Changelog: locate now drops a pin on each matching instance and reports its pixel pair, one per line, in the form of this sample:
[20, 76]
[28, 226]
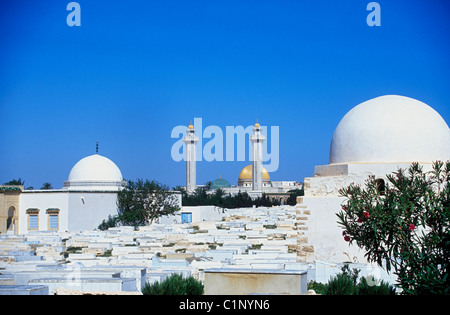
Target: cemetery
[51, 243]
[251, 245]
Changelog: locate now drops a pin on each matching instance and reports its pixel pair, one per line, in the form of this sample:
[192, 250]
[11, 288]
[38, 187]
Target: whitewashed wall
[89, 209]
[43, 201]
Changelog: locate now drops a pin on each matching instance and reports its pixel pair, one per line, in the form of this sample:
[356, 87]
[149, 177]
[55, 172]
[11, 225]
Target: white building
[89, 196]
[374, 138]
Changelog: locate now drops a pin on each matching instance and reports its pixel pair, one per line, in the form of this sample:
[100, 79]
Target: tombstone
[24, 290]
[254, 281]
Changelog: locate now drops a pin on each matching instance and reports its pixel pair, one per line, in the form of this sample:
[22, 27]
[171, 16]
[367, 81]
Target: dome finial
[96, 147]
[190, 125]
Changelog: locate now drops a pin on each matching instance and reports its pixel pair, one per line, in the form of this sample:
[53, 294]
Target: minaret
[257, 140]
[191, 173]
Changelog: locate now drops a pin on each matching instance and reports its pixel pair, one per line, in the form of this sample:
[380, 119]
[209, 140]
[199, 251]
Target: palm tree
[46, 186]
[219, 193]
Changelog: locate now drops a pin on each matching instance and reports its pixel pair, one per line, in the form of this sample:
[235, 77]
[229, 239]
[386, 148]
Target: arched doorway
[11, 221]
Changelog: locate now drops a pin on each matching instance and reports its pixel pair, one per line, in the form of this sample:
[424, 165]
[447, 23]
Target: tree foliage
[47, 185]
[405, 226]
[293, 194]
[220, 199]
[140, 203]
[17, 182]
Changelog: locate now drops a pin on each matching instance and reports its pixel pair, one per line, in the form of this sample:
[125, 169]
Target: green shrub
[174, 285]
[345, 283]
[108, 223]
[319, 288]
[383, 288]
[341, 284]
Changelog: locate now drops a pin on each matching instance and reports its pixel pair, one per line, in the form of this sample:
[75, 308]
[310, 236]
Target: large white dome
[95, 172]
[390, 129]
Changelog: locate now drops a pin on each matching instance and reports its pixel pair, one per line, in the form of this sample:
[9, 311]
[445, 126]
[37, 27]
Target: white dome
[94, 171]
[390, 129]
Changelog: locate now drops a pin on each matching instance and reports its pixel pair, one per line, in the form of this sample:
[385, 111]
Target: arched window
[10, 221]
[381, 186]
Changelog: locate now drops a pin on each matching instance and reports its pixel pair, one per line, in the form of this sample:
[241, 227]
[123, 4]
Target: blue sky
[134, 70]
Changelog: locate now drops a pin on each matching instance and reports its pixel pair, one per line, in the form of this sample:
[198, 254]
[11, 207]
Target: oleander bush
[404, 225]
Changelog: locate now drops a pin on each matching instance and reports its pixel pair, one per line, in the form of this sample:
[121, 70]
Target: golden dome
[257, 125]
[246, 173]
[190, 126]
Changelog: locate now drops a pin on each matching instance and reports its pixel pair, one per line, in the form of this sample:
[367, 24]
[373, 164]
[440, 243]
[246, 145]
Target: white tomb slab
[24, 290]
[88, 284]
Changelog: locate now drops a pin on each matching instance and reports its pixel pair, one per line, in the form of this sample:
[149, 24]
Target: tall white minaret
[191, 172]
[257, 140]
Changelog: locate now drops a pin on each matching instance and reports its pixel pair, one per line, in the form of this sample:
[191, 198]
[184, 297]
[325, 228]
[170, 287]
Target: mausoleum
[377, 137]
[89, 195]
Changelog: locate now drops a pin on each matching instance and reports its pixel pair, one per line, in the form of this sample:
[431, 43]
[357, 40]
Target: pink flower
[347, 238]
[366, 214]
[360, 220]
[412, 227]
